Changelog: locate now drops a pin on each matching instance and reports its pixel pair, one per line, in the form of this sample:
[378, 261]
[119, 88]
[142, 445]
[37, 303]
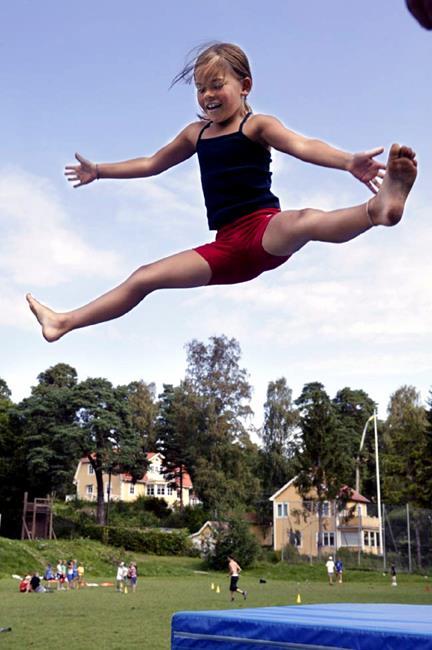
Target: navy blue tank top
[235, 176]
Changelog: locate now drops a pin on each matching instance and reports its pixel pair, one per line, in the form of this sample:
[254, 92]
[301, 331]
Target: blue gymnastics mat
[343, 626]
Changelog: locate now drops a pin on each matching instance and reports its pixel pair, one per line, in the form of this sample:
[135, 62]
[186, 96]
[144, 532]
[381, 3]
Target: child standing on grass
[253, 234]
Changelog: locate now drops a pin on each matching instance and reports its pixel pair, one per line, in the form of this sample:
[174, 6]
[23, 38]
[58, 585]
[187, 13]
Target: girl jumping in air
[253, 234]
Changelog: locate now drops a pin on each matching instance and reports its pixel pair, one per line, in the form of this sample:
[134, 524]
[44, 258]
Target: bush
[153, 540]
[235, 539]
[191, 517]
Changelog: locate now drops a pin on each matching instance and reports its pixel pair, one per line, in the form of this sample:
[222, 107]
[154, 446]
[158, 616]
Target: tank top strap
[206, 126]
[244, 120]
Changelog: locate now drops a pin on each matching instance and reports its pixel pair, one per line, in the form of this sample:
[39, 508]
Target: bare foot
[53, 324]
[386, 208]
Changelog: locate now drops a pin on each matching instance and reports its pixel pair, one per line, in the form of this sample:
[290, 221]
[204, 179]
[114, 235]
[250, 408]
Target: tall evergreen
[278, 436]
[354, 407]
[407, 463]
[323, 461]
[176, 428]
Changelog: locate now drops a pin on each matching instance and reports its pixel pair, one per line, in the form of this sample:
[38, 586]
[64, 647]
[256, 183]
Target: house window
[325, 509]
[161, 490]
[328, 538]
[89, 489]
[131, 488]
[371, 538]
[295, 537]
[169, 490]
[90, 469]
[150, 490]
[282, 509]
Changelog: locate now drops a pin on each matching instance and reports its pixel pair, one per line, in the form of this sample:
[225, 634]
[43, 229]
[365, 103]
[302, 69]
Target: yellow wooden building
[120, 487]
[295, 522]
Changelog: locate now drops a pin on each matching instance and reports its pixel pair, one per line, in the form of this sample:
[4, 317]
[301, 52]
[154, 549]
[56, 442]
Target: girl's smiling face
[221, 94]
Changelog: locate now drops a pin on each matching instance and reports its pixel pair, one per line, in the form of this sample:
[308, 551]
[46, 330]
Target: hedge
[153, 541]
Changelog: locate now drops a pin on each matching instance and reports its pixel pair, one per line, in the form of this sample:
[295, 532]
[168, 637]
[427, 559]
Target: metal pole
[378, 483]
[409, 539]
[360, 536]
[383, 540]
[109, 497]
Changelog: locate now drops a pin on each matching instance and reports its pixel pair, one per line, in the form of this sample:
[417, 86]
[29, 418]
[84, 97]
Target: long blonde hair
[218, 54]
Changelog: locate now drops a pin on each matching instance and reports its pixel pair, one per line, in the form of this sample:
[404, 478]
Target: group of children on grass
[126, 576]
[65, 576]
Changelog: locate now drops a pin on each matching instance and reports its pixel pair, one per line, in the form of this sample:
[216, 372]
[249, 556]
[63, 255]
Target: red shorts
[237, 254]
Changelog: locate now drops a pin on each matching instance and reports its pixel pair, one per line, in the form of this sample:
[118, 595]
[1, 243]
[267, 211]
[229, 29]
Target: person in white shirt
[120, 577]
[330, 565]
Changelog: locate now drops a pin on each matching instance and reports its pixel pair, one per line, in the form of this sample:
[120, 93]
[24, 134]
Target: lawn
[101, 617]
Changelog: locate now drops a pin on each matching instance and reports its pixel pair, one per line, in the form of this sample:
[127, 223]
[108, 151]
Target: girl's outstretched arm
[182, 147]
[363, 165]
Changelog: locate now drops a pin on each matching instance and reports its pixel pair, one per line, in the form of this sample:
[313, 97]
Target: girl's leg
[288, 231]
[184, 270]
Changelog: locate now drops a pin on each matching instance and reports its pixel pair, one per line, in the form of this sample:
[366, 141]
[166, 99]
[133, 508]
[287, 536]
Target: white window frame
[326, 538]
[282, 510]
[160, 490]
[89, 489]
[131, 488]
[169, 490]
[150, 490]
[90, 469]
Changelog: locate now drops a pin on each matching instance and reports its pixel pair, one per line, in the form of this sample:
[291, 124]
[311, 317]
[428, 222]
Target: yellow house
[295, 522]
[119, 487]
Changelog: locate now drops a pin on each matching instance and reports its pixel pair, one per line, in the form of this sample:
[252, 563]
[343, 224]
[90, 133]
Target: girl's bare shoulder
[257, 125]
[192, 131]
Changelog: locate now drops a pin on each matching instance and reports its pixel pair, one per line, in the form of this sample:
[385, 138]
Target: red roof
[353, 495]
[187, 481]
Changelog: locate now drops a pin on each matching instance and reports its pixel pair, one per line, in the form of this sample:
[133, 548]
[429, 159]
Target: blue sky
[94, 77]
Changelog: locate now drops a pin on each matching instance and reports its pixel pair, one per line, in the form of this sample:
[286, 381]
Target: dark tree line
[203, 425]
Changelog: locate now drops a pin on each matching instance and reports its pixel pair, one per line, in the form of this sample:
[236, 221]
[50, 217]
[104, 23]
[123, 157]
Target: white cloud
[167, 201]
[39, 245]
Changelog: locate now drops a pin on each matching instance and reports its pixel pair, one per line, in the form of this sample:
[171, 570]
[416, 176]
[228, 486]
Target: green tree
[143, 411]
[43, 423]
[407, 467]
[354, 407]
[323, 462]
[224, 468]
[234, 539]
[12, 463]
[103, 433]
[177, 424]
[5, 392]
[278, 436]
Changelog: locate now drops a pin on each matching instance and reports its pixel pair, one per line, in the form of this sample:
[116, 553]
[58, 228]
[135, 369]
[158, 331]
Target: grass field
[101, 617]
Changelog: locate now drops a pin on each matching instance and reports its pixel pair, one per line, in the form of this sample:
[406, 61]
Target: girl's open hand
[81, 174]
[367, 170]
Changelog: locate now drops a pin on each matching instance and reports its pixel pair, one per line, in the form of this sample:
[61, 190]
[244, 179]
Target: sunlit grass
[99, 616]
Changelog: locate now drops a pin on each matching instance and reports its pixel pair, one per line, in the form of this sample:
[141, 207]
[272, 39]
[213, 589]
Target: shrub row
[153, 541]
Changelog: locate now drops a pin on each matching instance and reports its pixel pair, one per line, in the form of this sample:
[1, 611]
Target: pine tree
[323, 461]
